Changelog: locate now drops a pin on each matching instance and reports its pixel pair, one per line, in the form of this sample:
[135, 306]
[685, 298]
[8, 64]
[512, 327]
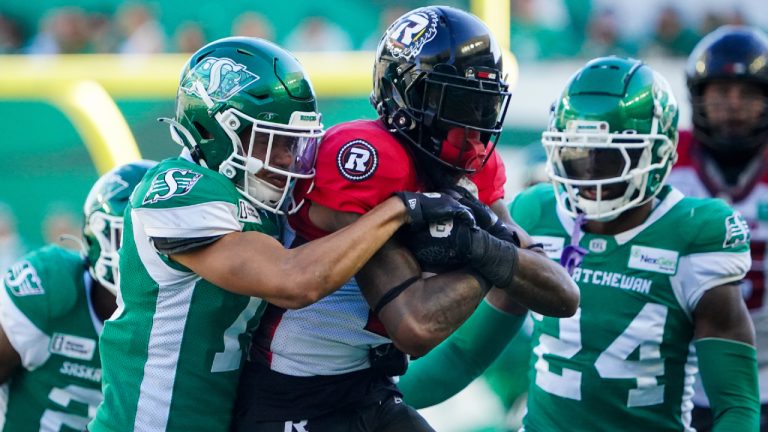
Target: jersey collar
[662, 204]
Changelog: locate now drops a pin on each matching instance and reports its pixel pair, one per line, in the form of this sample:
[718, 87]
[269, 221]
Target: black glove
[485, 217]
[427, 207]
[454, 244]
[441, 246]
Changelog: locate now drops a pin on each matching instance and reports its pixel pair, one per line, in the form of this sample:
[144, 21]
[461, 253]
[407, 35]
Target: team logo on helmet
[357, 160]
[116, 185]
[406, 36]
[170, 183]
[222, 78]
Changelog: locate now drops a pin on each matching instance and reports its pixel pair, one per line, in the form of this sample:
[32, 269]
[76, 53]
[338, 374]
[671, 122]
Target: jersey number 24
[644, 331]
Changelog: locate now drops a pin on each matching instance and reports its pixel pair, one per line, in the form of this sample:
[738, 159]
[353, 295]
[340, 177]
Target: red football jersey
[360, 164]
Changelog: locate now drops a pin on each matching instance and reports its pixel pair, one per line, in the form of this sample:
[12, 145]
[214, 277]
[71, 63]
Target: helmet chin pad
[264, 191]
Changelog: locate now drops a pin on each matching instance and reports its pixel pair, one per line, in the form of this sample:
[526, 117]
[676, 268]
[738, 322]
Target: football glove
[426, 207]
[453, 244]
[485, 217]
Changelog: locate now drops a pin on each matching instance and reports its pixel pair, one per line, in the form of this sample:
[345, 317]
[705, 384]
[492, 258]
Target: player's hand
[425, 208]
[485, 217]
[452, 245]
[441, 245]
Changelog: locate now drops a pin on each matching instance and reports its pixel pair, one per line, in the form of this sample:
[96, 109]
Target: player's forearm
[729, 374]
[543, 286]
[327, 263]
[461, 358]
[429, 313]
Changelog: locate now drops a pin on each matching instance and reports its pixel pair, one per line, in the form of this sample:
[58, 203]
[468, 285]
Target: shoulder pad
[713, 226]
[180, 183]
[359, 165]
[527, 206]
[46, 283]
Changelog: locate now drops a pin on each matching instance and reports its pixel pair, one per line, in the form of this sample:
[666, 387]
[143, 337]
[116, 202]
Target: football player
[203, 236]
[52, 308]
[441, 97]
[658, 271]
[724, 157]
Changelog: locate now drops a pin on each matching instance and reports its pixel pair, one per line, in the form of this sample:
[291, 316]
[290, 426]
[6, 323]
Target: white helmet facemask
[280, 152]
[603, 174]
[108, 230]
[273, 158]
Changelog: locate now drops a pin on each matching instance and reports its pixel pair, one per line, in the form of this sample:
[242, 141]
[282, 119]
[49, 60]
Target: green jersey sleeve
[717, 252]
[525, 209]
[180, 200]
[33, 295]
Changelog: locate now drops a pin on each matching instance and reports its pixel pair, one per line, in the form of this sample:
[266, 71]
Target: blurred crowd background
[540, 29]
[46, 172]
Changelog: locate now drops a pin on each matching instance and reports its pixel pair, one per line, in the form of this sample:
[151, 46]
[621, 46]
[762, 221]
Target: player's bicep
[721, 313]
[9, 358]
[238, 262]
[391, 266]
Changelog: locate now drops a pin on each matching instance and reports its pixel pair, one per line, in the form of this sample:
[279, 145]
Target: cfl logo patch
[357, 160]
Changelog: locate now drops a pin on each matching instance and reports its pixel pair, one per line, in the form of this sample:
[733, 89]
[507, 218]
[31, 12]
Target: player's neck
[626, 221]
[104, 303]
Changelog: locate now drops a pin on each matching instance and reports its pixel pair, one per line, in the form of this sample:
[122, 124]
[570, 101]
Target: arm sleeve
[461, 358]
[729, 375]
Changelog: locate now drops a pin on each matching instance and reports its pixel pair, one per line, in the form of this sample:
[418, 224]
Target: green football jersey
[45, 311]
[625, 361]
[172, 351]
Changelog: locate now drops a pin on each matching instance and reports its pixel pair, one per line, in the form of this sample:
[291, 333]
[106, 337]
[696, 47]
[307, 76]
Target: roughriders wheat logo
[407, 36]
[22, 280]
[736, 231]
[171, 183]
[222, 78]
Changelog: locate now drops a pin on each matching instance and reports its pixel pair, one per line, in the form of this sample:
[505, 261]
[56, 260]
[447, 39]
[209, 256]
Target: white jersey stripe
[172, 307]
[28, 340]
[206, 219]
[696, 273]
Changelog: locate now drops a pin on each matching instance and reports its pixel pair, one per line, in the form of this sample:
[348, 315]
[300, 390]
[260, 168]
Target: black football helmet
[730, 53]
[438, 82]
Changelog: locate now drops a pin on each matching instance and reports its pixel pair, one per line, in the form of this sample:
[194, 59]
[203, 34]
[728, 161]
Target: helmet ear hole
[204, 133]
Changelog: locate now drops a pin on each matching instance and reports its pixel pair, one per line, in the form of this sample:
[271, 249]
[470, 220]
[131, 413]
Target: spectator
[10, 35]
[103, 38]
[540, 30]
[141, 32]
[189, 37]
[253, 24]
[671, 36]
[11, 245]
[387, 16]
[603, 37]
[317, 33]
[63, 31]
[60, 224]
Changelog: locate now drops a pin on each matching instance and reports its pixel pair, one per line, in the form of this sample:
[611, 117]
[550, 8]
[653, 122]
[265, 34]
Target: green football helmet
[612, 138]
[246, 108]
[103, 225]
